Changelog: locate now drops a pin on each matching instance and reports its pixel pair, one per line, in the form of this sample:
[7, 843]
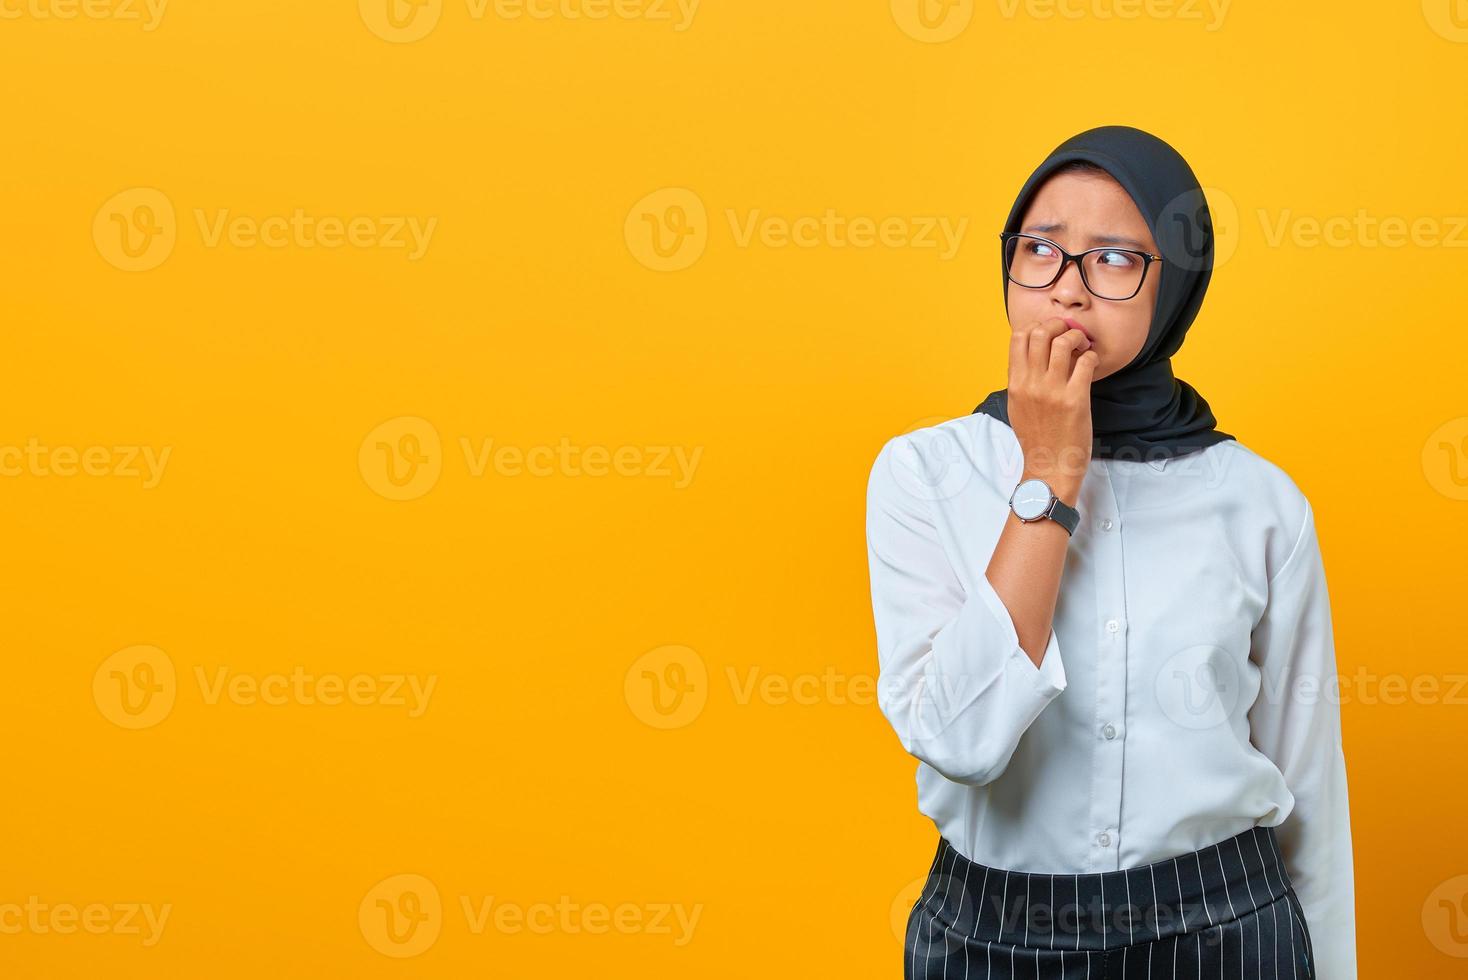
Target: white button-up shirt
[1188, 689]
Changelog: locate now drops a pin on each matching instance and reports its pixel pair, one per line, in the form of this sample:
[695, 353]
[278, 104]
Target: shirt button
[1104, 839]
[1106, 524]
[1112, 626]
[1109, 731]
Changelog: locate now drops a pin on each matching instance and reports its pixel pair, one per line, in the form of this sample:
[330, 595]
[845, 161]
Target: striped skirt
[1226, 911]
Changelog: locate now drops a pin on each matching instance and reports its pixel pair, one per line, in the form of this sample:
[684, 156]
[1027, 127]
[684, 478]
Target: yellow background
[538, 773]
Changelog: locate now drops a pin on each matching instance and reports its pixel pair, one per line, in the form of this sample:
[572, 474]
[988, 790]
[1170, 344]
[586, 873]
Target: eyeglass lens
[1109, 273]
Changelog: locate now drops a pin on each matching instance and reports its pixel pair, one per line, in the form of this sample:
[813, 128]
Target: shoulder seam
[1295, 549]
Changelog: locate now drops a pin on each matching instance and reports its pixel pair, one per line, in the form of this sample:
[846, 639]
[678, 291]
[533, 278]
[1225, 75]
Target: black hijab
[1142, 412]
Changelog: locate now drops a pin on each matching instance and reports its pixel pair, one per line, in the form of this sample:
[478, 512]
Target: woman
[1104, 630]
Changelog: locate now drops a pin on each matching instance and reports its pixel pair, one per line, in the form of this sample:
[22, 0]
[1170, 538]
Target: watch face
[1031, 499]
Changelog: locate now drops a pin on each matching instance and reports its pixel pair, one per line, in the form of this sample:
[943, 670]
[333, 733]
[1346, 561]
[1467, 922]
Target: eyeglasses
[1109, 273]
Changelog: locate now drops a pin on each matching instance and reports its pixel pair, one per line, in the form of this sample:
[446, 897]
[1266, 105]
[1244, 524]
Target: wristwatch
[1033, 500]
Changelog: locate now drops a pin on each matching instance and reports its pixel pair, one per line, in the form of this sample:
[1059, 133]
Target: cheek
[1025, 305]
[1131, 333]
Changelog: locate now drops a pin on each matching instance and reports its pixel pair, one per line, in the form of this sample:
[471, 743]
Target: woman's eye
[1040, 250]
[1116, 260]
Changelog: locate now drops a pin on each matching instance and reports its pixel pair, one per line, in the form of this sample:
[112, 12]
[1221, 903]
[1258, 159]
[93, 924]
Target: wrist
[1035, 498]
[1065, 487]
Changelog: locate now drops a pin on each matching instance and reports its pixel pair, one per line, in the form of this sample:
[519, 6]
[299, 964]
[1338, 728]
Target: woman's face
[1077, 212]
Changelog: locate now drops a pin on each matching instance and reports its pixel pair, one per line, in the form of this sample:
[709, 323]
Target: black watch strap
[1065, 515]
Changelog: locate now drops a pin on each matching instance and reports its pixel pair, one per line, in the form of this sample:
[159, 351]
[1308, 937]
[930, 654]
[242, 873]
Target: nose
[1069, 290]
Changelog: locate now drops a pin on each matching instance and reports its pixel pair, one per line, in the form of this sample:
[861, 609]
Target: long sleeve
[1296, 723]
[954, 682]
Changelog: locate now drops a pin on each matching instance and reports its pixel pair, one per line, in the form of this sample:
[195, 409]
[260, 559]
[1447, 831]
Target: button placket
[1111, 672]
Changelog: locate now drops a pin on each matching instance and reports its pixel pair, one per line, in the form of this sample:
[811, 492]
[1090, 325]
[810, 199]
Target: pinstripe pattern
[1131, 924]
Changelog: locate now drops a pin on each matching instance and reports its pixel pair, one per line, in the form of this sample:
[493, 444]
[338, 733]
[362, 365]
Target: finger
[1084, 374]
[1041, 334]
[1063, 352]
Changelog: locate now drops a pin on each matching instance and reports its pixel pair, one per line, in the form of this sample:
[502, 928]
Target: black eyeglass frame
[1065, 258]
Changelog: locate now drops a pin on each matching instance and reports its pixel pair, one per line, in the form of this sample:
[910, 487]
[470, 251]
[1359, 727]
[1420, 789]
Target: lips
[1076, 325]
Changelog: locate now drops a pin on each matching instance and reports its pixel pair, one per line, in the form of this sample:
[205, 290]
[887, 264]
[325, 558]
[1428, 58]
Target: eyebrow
[1095, 239]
